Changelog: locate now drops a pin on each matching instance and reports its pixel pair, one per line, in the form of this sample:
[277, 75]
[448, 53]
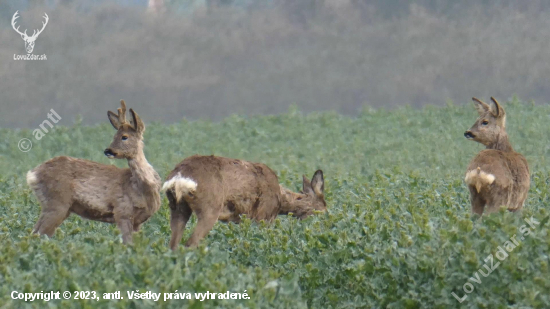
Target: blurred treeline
[213, 58]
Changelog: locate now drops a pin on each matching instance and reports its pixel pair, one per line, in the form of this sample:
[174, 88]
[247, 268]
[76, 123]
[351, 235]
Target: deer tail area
[180, 186]
[479, 179]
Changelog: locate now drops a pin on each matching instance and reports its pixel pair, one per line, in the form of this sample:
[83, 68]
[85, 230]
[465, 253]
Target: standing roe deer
[218, 188]
[125, 196]
[497, 176]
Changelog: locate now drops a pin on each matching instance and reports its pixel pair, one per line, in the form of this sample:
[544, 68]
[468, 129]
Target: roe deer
[218, 188]
[125, 196]
[497, 176]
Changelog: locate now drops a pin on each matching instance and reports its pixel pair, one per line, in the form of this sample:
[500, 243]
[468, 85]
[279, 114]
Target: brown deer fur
[497, 176]
[218, 188]
[125, 196]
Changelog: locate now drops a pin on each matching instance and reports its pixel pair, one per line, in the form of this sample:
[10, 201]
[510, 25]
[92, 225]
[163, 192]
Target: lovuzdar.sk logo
[29, 40]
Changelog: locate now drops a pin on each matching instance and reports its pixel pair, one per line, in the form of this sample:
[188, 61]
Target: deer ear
[136, 122]
[481, 106]
[306, 185]
[318, 182]
[113, 118]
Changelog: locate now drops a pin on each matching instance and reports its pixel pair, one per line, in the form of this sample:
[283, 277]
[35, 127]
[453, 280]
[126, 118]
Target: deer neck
[286, 205]
[143, 174]
[294, 202]
[501, 143]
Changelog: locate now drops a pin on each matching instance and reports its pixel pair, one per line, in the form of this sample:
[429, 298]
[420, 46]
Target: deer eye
[485, 122]
[124, 137]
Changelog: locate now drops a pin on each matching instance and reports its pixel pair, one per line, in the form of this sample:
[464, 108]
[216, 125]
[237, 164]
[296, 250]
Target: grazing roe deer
[218, 188]
[497, 176]
[125, 196]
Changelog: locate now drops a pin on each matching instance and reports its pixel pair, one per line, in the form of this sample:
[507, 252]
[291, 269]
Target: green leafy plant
[398, 233]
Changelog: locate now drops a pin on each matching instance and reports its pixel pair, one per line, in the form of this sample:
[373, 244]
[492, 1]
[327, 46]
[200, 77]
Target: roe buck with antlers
[218, 188]
[497, 176]
[125, 196]
[29, 40]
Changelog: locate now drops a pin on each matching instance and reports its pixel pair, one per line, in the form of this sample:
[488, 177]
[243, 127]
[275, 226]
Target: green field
[398, 234]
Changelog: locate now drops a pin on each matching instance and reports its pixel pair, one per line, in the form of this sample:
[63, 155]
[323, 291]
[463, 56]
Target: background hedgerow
[260, 56]
[398, 233]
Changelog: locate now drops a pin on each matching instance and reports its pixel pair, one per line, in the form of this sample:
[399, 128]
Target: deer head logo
[29, 40]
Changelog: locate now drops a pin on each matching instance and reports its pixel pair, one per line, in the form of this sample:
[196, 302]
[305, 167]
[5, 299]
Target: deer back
[235, 186]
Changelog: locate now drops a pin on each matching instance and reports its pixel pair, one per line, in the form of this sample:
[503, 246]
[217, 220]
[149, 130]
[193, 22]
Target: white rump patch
[479, 178]
[181, 186]
[31, 178]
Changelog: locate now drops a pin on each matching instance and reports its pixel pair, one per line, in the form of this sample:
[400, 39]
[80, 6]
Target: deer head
[128, 140]
[311, 198]
[29, 40]
[490, 125]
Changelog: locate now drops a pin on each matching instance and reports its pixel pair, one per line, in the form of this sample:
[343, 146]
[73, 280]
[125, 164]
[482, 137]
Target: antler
[479, 101]
[43, 26]
[122, 112]
[15, 16]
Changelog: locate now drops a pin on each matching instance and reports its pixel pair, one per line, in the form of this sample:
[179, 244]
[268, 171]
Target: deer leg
[205, 221]
[49, 220]
[495, 202]
[124, 221]
[52, 215]
[125, 226]
[179, 216]
[267, 210]
[39, 223]
[520, 202]
[477, 201]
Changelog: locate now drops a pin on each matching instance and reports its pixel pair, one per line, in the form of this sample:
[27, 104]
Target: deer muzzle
[109, 153]
[469, 135]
